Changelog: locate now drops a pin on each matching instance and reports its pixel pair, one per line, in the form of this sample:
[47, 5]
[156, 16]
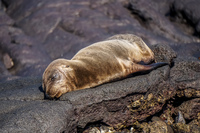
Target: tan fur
[105, 61]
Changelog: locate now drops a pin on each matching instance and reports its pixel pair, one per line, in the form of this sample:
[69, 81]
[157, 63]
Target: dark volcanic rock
[23, 108]
[108, 103]
[5, 19]
[190, 109]
[185, 73]
[35, 32]
[71, 25]
[155, 19]
[27, 58]
[54, 29]
[158, 125]
[188, 11]
[164, 53]
[187, 50]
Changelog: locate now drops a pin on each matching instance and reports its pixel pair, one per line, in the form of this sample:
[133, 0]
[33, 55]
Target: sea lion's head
[55, 78]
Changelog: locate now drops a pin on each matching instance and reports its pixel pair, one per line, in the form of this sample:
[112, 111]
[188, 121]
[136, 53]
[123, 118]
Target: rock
[190, 108]
[63, 21]
[187, 50]
[156, 125]
[187, 11]
[5, 19]
[192, 127]
[180, 118]
[107, 103]
[25, 59]
[3, 71]
[186, 69]
[7, 61]
[156, 19]
[73, 25]
[159, 126]
[24, 109]
[35, 32]
[164, 53]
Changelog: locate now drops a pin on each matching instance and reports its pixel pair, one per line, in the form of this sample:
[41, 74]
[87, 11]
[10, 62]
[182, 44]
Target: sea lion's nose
[46, 96]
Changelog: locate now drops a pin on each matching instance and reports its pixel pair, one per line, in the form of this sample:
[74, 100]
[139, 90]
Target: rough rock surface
[35, 32]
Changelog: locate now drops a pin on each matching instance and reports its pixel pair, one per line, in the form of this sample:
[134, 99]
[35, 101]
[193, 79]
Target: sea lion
[112, 59]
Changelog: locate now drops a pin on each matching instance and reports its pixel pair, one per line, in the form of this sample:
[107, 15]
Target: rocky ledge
[35, 32]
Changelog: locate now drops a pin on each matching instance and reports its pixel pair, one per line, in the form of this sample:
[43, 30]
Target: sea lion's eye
[52, 78]
[55, 76]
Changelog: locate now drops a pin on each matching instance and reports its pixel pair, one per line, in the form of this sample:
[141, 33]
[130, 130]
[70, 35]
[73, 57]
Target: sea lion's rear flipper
[143, 68]
[156, 65]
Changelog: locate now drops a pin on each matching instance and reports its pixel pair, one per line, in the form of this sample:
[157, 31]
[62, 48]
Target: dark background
[35, 32]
